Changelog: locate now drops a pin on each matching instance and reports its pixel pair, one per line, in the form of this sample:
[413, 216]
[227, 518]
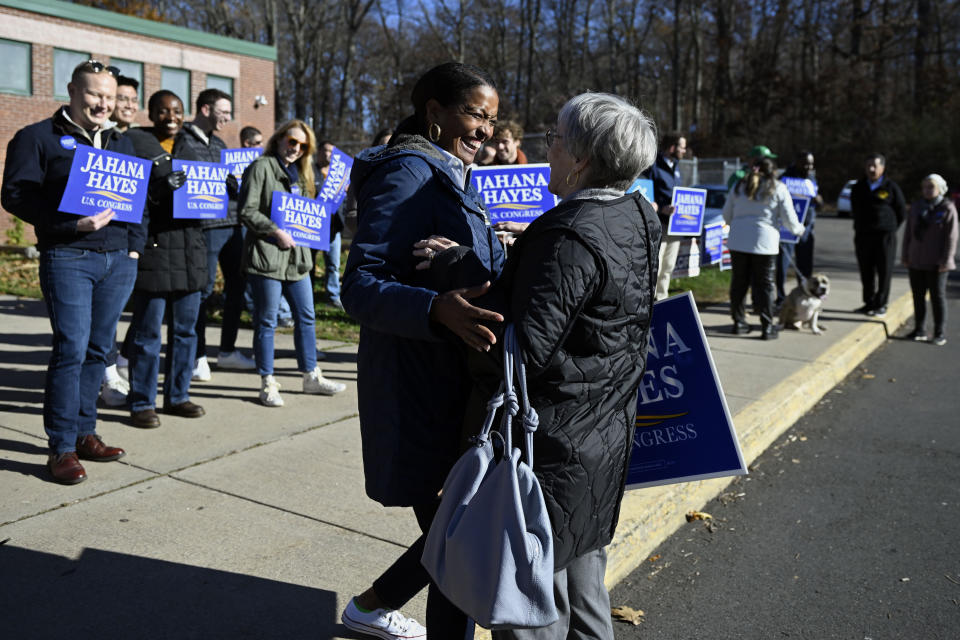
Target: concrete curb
[650, 516]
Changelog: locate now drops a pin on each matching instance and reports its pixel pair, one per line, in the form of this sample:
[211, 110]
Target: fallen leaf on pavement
[698, 515]
[868, 376]
[653, 558]
[628, 614]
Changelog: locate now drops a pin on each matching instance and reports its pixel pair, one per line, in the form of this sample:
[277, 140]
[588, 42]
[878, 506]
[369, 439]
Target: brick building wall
[50, 24]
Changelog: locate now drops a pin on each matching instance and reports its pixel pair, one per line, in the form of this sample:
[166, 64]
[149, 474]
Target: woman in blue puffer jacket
[412, 384]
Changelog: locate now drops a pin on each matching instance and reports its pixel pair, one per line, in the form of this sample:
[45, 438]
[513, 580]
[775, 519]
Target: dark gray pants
[582, 601]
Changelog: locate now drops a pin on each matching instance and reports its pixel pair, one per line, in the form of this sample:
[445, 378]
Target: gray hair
[619, 139]
[939, 183]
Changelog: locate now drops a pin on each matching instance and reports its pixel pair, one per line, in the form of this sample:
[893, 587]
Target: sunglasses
[293, 143]
[95, 66]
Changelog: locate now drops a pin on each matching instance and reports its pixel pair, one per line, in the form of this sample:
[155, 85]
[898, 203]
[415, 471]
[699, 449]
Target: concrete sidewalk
[252, 522]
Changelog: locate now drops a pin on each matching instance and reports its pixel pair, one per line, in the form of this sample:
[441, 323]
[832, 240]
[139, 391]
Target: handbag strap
[530, 419]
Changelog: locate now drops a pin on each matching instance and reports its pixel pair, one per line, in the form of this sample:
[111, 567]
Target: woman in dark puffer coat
[579, 287]
[172, 272]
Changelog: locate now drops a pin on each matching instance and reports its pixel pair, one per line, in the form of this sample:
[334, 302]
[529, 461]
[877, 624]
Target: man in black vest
[87, 264]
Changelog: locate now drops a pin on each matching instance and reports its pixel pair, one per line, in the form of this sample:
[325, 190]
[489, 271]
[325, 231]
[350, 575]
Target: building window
[15, 67]
[64, 62]
[178, 81]
[220, 82]
[131, 69]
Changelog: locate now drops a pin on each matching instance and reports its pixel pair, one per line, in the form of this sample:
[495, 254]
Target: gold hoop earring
[434, 137]
[576, 178]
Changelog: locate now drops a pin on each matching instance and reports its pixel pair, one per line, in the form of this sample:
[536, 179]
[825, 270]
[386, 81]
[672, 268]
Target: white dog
[802, 307]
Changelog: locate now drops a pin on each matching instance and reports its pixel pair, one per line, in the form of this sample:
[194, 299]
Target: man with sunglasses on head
[87, 264]
[198, 141]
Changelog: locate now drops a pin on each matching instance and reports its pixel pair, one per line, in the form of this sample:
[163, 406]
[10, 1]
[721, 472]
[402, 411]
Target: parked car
[716, 197]
[843, 200]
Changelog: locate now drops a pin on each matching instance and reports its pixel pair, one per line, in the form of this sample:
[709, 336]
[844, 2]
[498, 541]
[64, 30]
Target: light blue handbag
[490, 547]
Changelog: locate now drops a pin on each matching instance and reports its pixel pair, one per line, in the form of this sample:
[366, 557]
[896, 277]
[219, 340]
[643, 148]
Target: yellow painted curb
[649, 516]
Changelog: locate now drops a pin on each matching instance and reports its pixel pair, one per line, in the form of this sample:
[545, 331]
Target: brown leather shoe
[91, 447]
[66, 468]
[146, 419]
[185, 410]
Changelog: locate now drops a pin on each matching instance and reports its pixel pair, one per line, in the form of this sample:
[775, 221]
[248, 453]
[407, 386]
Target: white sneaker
[114, 392]
[235, 360]
[314, 382]
[389, 624]
[201, 370]
[270, 392]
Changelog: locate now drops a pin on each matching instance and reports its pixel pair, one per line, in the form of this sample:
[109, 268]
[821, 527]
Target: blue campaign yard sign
[801, 204]
[306, 219]
[334, 188]
[106, 180]
[515, 193]
[644, 186]
[237, 160]
[204, 194]
[801, 186]
[687, 218]
[712, 243]
[684, 431]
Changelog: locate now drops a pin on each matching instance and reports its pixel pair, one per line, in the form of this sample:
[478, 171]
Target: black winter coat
[579, 287]
[878, 210]
[175, 256]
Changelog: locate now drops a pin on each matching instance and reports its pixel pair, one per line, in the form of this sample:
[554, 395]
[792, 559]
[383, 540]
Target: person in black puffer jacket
[579, 286]
[173, 271]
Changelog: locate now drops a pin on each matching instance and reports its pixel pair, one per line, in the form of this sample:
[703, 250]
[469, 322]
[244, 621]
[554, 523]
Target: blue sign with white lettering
[334, 188]
[801, 205]
[516, 193]
[644, 186]
[684, 431]
[687, 218]
[204, 194]
[102, 180]
[801, 186]
[712, 243]
[237, 160]
[306, 219]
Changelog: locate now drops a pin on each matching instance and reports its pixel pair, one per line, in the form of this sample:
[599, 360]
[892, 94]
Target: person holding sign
[755, 210]
[173, 271]
[413, 385]
[87, 263]
[665, 173]
[579, 287]
[275, 264]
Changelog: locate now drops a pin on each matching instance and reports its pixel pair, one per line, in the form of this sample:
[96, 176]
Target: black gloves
[233, 187]
[175, 179]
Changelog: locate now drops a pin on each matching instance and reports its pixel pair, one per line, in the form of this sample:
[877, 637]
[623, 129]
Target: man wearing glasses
[87, 264]
[128, 103]
[199, 141]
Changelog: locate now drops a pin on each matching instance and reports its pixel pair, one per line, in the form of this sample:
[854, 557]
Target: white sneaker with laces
[270, 392]
[389, 624]
[113, 392]
[201, 370]
[314, 382]
[235, 360]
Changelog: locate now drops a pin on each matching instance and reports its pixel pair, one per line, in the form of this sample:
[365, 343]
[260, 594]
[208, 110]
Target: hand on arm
[430, 247]
[453, 310]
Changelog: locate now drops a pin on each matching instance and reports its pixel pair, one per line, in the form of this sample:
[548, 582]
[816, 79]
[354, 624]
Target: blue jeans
[85, 292]
[331, 260]
[148, 312]
[266, 300]
[224, 245]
